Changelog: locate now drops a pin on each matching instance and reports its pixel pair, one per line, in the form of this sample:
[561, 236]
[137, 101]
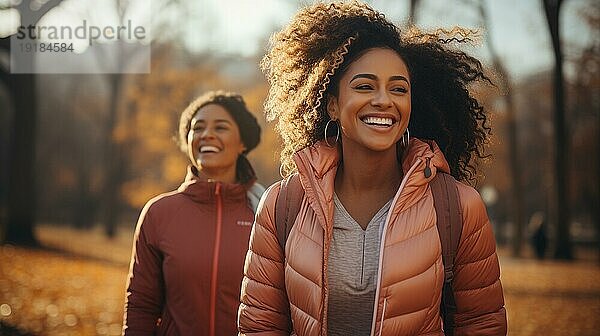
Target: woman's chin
[213, 166]
[382, 145]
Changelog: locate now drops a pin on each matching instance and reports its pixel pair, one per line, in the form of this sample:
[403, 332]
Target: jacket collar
[202, 190]
[321, 159]
[317, 166]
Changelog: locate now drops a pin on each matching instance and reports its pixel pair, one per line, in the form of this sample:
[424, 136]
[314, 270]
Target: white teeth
[209, 149]
[378, 121]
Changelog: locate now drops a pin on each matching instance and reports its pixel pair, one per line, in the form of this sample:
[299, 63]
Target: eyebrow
[373, 77]
[197, 121]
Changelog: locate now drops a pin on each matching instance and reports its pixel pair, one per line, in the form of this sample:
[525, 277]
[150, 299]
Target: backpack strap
[449, 225]
[287, 207]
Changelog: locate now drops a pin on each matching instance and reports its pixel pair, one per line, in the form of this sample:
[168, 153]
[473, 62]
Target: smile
[209, 149]
[378, 121]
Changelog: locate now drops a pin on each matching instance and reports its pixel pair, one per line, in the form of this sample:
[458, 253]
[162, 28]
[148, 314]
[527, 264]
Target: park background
[80, 154]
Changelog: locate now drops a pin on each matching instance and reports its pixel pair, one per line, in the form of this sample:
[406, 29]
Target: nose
[207, 133]
[381, 99]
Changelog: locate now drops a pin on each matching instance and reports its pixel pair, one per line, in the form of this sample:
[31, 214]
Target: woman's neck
[366, 180]
[221, 175]
[365, 170]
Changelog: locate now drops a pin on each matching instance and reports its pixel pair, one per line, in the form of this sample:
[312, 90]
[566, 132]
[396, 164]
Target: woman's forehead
[378, 61]
[212, 112]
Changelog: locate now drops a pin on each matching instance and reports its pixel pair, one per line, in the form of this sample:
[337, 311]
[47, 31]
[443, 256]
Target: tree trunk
[513, 150]
[596, 208]
[21, 181]
[517, 194]
[412, 10]
[21, 177]
[113, 159]
[563, 239]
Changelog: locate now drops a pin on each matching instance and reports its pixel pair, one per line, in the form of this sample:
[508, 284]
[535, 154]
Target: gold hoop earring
[405, 138]
[337, 135]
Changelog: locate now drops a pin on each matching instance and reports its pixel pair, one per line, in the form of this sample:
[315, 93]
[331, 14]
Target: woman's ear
[332, 107]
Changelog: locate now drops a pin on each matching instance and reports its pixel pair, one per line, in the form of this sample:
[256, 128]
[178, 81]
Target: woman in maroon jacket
[189, 244]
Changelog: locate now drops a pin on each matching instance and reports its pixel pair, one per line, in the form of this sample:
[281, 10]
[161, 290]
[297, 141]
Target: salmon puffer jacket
[280, 287]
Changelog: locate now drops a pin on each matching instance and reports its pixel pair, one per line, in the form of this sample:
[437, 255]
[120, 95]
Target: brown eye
[363, 87]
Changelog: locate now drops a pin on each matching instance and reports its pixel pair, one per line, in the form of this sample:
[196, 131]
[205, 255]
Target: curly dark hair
[235, 105]
[307, 57]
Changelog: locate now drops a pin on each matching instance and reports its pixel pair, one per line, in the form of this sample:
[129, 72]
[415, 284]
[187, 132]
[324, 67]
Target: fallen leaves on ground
[47, 293]
[50, 293]
[551, 298]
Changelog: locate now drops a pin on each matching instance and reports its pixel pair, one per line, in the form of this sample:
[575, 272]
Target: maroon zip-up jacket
[187, 260]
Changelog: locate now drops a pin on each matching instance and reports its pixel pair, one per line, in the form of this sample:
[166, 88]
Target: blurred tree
[513, 150]
[412, 10]
[5, 120]
[22, 90]
[69, 148]
[585, 126]
[563, 239]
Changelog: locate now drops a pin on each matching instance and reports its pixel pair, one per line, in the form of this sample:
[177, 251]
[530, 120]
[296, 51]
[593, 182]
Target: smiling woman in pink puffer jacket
[364, 255]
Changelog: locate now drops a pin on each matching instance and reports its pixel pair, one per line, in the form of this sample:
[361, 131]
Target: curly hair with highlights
[306, 59]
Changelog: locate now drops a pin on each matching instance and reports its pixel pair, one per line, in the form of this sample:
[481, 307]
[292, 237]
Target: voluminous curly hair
[307, 57]
[443, 109]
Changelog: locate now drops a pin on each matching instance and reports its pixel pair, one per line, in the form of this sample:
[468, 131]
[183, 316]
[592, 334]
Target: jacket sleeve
[477, 287]
[145, 288]
[264, 308]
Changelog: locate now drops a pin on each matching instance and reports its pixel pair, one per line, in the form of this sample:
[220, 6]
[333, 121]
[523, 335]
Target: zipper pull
[427, 171]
